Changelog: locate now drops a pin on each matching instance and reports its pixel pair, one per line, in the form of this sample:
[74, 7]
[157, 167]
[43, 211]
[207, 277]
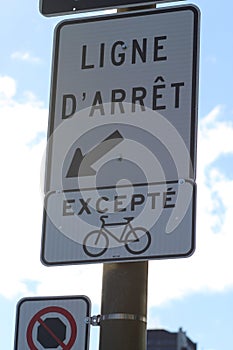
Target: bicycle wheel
[95, 243]
[137, 240]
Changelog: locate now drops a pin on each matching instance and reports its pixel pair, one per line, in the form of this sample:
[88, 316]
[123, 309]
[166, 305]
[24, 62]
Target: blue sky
[195, 293]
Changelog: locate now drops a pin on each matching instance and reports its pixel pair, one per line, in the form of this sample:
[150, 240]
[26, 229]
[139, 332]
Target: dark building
[160, 339]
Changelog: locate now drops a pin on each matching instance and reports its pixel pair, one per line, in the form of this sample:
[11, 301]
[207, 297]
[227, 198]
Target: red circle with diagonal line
[37, 318]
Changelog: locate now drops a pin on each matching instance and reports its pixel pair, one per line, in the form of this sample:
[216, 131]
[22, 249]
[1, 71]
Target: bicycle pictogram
[135, 239]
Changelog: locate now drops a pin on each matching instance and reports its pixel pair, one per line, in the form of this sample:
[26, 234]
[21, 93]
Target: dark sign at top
[65, 7]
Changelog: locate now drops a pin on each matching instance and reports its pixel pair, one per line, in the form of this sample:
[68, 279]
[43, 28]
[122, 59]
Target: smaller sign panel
[155, 220]
[65, 7]
[52, 323]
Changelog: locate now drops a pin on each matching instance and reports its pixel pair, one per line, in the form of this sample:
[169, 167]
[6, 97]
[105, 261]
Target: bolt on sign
[121, 155]
[64, 7]
[52, 323]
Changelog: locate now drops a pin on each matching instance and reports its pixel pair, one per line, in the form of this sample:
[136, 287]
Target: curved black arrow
[92, 156]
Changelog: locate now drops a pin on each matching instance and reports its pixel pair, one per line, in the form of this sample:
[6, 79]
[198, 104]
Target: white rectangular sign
[122, 137]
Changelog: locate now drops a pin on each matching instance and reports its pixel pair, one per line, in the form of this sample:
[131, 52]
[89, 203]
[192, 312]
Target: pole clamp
[121, 316]
[96, 320]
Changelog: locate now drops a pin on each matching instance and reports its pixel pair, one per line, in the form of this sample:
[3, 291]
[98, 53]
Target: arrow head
[81, 164]
[76, 169]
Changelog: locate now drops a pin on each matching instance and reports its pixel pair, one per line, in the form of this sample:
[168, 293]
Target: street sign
[52, 322]
[64, 7]
[121, 159]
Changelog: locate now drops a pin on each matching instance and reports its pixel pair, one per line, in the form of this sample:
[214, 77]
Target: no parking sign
[52, 323]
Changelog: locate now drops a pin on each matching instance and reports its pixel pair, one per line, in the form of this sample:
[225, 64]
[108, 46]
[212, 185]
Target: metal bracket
[93, 320]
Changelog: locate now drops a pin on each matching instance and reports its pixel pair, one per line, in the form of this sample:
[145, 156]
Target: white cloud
[7, 88]
[215, 137]
[21, 208]
[20, 197]
[209, 268]
[25, 56]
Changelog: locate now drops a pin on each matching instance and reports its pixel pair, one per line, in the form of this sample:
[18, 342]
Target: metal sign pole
[124, 306]
[124, 299]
